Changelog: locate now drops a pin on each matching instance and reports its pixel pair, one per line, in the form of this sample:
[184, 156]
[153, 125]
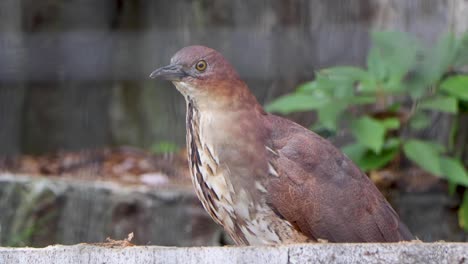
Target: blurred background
[91, 148]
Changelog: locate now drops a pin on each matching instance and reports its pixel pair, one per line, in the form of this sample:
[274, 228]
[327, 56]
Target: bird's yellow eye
[201, 65]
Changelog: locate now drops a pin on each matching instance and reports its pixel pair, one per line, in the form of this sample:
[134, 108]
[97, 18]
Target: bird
[268, 180]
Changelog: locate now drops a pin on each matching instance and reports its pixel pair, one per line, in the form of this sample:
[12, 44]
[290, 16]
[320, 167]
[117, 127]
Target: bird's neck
[223, 121]
[220, 96]
[224, 116]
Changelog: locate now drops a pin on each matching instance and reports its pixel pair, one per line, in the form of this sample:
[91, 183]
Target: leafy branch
[402, 84]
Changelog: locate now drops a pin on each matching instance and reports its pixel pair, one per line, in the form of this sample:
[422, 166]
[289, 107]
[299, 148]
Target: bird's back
[323, 193]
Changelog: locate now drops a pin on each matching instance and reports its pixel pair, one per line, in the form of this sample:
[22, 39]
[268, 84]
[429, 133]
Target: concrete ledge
[303, 253]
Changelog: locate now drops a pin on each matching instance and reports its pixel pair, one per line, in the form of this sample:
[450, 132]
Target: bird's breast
[212, 186]
[232, 198]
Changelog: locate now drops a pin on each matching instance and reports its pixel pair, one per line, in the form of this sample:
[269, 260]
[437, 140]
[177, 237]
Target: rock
[38, 211]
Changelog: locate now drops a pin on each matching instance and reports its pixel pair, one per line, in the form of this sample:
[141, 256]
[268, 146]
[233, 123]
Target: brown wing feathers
[323, 194]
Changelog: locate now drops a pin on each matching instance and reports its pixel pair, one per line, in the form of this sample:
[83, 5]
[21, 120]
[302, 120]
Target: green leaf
[163, 147]
[392, 143]
[360, 100]
[438, 59]
[439, 148]
[461, 58]
[376, 66]
[296, 102]
[423, 154]
[368, 85]
[392, 55]
[463, 212]
[441, 103]
[354, 151]
[307, 87]
[328, 115]
[390, 123]
[346, 73]
[419, 121]
[340, 81]
[454, 171]
[368, 160]
[372, 161]
[334, 86]
[394, 107]
[456, 86]
[325, 84]
[369, 132]
[393, 85]
[416, 85]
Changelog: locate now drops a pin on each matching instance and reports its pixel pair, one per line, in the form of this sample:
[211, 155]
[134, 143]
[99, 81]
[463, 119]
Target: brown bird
[266, 179]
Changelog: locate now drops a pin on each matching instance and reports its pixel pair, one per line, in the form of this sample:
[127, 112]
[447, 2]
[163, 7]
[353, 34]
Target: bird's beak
[172, 72]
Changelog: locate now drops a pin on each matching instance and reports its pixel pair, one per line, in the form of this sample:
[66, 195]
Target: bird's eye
[201, 65]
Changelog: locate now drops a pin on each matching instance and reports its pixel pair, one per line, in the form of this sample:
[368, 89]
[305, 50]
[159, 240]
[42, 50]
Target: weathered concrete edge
[59, 184]
[413, 252]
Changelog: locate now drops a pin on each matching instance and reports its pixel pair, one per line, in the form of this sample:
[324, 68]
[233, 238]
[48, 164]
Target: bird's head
[205, 76]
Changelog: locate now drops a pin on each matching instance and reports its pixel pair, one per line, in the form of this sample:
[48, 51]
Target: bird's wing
[322, 192]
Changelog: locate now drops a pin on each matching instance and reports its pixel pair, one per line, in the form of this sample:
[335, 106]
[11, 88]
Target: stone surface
[39, 211]
[305, 253]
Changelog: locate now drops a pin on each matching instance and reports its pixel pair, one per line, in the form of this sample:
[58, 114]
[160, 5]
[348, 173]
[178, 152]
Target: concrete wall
[307, 253]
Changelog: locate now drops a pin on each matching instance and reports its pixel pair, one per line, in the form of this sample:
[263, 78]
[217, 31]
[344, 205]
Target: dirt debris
[125, 165]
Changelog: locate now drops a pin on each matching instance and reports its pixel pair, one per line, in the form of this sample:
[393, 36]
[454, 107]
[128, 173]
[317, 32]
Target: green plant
[164, 147]
[402, 84]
